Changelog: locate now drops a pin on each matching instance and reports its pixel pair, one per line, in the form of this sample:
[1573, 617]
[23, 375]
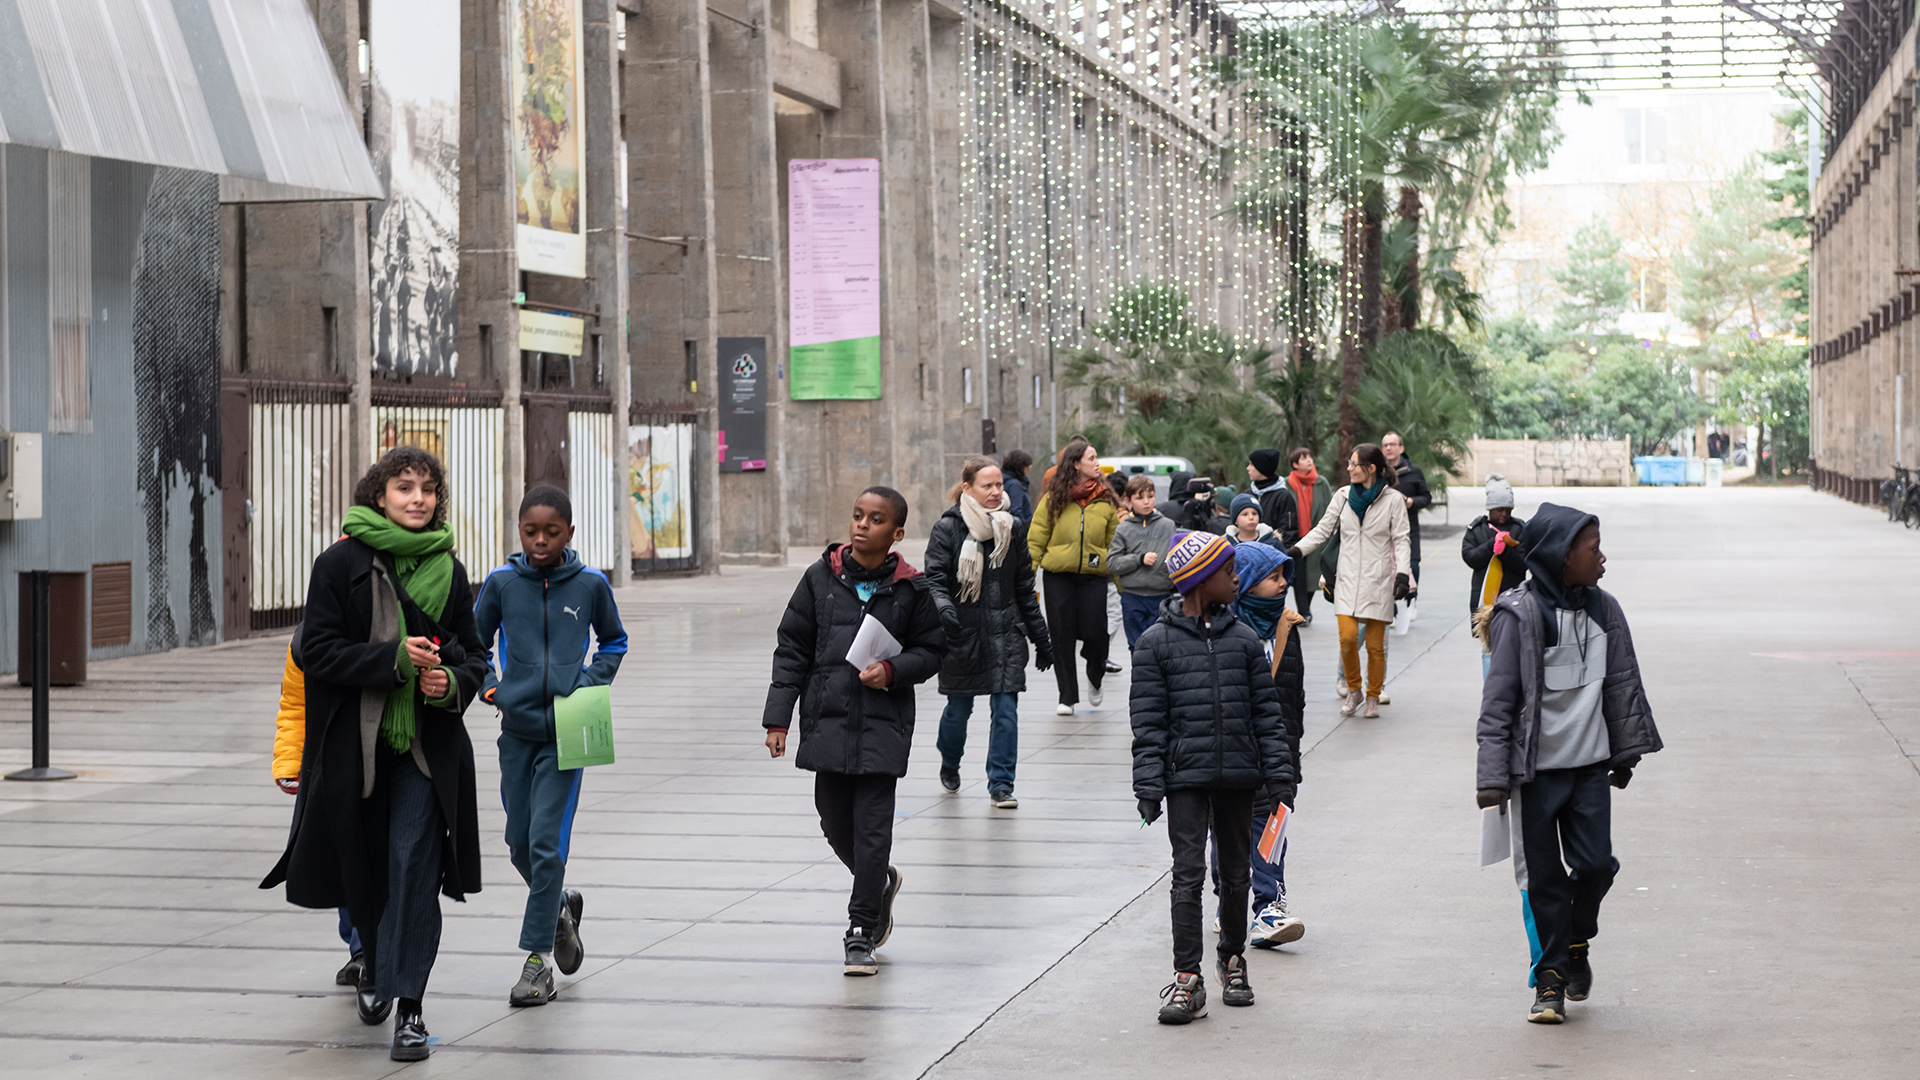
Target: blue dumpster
[1661, 470]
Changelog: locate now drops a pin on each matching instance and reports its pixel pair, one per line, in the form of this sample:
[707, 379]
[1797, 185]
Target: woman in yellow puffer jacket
[289, 743]
[1072, 528]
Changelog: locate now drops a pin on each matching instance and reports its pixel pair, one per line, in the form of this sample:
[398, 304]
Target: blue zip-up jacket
[541, 617]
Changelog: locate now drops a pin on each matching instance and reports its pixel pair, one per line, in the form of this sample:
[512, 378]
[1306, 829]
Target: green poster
[836, 369]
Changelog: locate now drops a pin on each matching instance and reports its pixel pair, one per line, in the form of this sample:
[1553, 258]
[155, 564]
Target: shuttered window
[112, 604]
[69, 290]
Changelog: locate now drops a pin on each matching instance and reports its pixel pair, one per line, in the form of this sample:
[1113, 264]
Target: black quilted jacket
[1205, 711]
[987, 637]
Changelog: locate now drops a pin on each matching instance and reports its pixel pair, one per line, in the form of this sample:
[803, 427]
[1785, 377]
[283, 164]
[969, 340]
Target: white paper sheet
[1496, 835]
[871, 644]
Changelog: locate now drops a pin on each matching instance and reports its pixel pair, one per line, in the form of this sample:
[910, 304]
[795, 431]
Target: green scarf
[425, 564]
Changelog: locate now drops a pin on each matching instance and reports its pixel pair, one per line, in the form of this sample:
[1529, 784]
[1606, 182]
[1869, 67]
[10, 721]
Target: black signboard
[743, 404]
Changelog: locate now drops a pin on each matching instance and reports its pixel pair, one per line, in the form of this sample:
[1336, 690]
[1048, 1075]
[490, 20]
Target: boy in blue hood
[541, 605]
[1562, 715]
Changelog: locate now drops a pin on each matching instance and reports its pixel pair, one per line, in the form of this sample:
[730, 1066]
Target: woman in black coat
[386, 816]
[982, 573]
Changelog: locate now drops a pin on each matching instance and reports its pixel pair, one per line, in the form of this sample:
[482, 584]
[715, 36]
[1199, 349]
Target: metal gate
[299, 484]
[465, 429]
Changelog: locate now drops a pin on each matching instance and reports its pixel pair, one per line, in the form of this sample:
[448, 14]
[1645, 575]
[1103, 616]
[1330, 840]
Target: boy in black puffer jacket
[1207, 734]
[856, 725]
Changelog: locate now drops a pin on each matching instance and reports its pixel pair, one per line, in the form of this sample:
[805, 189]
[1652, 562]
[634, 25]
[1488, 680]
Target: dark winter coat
[542, 616]
[1476, 550]
[846, 726]
[1410, 480]
[1280, 510]
[987, 637]
[1289, 668]
[1204, 708]
[336, 852]
[1019, 499]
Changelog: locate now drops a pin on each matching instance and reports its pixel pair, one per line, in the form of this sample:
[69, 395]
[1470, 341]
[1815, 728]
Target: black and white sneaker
[1549, 1001]
[894, 879]
[1234, 987]
[535, 986]
[1003, 800]
[1579, 972]
[949, 778]
[859, 954]
[1186, 999]
[568, 952]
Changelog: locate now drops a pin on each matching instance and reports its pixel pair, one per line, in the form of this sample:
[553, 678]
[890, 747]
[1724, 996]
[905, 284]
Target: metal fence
[593, 460]
[299, 484]
[466, 430]
[660, 487]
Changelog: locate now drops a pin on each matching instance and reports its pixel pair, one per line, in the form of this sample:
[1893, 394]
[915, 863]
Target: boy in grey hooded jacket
[1562, 714]
[1137, 558]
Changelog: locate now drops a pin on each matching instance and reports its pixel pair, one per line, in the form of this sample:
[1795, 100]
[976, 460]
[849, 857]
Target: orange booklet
[1276, 831]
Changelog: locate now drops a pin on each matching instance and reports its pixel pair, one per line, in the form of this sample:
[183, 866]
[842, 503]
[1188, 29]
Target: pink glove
[1500, 542]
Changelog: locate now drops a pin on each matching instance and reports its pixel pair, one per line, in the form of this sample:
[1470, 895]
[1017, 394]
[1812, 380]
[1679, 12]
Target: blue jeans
[1269, 878]
[348, 933]
[1003, 737]
[1137, 612]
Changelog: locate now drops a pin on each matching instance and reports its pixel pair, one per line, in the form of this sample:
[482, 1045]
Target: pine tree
[1595, 280]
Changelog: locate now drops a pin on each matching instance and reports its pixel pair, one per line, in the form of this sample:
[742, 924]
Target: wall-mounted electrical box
[19, 476]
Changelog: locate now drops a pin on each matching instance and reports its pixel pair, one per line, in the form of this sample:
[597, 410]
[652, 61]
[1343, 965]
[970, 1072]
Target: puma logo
[575, 612]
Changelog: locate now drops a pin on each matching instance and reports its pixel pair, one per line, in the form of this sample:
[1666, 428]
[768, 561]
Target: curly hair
[404, 459]
[1058, 490]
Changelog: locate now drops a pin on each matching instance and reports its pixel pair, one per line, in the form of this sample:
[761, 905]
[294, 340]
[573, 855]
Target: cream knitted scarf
[982, 524]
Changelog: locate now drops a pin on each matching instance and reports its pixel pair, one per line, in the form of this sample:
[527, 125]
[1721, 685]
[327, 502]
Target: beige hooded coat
[1371, 553]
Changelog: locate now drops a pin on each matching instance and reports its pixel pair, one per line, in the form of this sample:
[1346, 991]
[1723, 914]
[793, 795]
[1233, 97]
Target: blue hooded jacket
[541, 617]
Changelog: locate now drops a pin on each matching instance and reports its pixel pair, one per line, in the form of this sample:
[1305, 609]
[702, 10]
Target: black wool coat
[1205, 711]
[1289, 684]
[986, 637]
[336, 853]
[846, 726]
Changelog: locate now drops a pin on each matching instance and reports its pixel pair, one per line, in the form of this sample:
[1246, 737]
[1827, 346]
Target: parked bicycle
[1902, 496]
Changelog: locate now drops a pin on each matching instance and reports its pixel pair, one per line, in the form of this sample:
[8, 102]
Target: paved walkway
[1761, 925]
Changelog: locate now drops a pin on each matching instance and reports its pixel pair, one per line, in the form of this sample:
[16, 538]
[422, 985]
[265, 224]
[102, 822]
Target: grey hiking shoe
[567, 950]
[1186, 999]
[535, 986]
[1352, 703]
[1234, 987]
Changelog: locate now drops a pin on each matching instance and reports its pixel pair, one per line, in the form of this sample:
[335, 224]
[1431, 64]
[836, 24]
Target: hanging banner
[561, 335]
[833, 278]
[550, 233]
[414, 233]
[743, 404]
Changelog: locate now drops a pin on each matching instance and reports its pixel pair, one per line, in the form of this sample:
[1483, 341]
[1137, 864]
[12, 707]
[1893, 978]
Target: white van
[1160, 468]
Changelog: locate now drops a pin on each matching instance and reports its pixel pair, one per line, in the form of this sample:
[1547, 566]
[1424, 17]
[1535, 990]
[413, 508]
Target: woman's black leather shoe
[409, 1038]
[372, 1009]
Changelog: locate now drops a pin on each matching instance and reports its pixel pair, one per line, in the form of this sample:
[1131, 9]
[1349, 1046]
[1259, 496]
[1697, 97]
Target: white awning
[241, 88]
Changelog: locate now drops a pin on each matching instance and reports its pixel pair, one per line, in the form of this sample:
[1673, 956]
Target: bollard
[42, 675]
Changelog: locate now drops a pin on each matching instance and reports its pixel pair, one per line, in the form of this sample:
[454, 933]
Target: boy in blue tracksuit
[541, 605]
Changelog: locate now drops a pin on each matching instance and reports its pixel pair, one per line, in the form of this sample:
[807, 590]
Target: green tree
[1767, 386]
[1420, 384]
[1787, 189]
[1731, 268]
[1595, 279]
[1640, 394]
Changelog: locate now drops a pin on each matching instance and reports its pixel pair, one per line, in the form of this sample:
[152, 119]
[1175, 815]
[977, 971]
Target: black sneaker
[535, 986]
[949, 778]
[350, 974]
[1579, 973]
[1003, 800]
[859, 954]
[1186, 999]
[1234, 987]
[894, 879]
[409, 1038]
[568, 953]
[1549, 1001]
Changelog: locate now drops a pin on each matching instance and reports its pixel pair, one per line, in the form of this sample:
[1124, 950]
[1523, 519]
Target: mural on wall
[176, 374]
[413, 235]
[550, 236]
[659, 460]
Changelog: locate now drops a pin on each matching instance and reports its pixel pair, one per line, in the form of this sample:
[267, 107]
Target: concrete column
[670, 216]
[607, 241]
[748, 266]
[488, 333]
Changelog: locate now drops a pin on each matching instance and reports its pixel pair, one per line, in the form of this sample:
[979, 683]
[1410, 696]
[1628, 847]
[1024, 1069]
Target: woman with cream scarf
[982, 576]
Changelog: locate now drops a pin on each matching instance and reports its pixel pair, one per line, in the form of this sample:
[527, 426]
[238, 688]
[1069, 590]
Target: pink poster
[833, 277]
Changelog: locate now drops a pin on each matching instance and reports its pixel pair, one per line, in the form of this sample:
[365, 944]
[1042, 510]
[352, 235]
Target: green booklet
[583, 727]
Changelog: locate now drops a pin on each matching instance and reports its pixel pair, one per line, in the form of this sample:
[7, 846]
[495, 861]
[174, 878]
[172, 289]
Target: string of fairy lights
[1100, 151]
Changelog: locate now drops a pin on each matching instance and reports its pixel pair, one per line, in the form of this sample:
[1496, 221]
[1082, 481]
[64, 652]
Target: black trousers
[856, 814]
[1077, 611]
[1566, 834]
[405, 939]
[1190, 813]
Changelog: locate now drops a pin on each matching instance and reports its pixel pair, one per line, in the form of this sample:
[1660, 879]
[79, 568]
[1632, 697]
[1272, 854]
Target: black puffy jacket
[1205, 711]
[987, 637]
[845, 726]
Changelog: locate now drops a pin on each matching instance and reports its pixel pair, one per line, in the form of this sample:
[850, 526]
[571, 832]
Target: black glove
[1284, 795]
[1620, 778]
[1043, 657]
[1149, 810]
[1490, 796]
[1401, 586]
[1293, 552]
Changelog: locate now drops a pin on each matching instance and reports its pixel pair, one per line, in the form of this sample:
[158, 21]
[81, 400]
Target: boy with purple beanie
[1207, 734]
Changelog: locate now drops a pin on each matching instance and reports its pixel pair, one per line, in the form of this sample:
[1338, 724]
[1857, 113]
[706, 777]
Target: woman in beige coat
[1374, 556]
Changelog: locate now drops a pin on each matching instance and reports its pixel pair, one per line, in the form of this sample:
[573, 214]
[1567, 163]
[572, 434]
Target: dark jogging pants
[540, 799]
[1190, 813]
[856, 814]
[1077, 611]
[1566, 834]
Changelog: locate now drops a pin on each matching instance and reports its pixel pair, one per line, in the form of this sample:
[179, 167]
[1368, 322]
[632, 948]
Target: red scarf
[1302, 485]
[1085, 491]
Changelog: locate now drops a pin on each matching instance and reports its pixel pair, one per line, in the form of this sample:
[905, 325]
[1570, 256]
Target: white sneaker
[1384, 699]
[1094, 697]
[1274, 926]
[1063, 709]
[1340, 688]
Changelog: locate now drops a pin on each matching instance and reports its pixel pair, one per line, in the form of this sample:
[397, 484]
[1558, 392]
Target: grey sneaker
[1549, 1000]
[1234, 987]
[1371, 710]
[535, 986]
[1352, 703]
[1186, 999]
[568, 952]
